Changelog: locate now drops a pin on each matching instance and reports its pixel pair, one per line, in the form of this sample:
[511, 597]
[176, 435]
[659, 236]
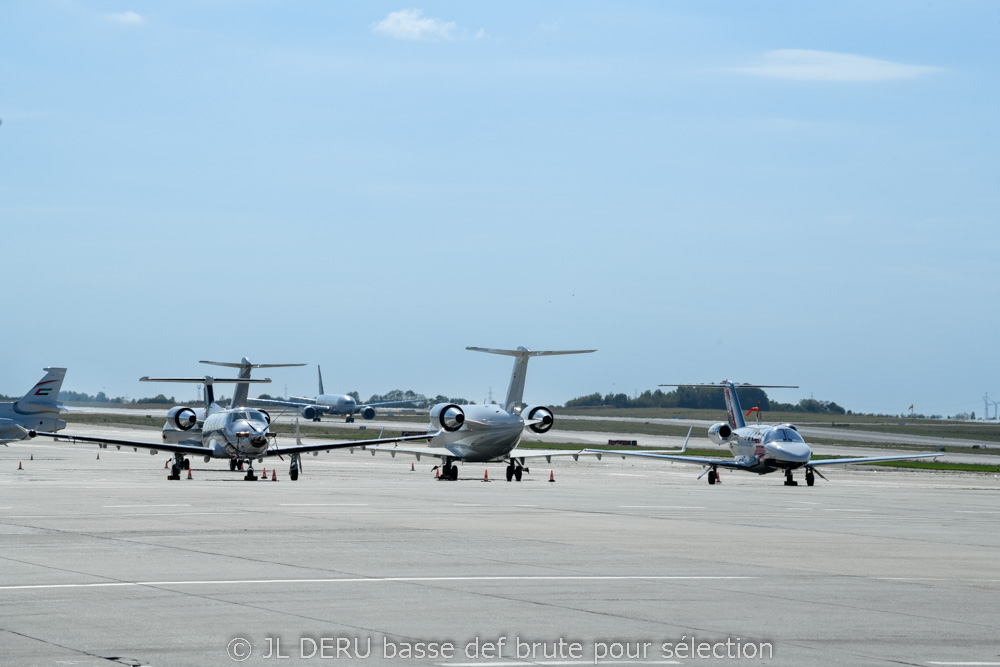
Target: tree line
[703, 398]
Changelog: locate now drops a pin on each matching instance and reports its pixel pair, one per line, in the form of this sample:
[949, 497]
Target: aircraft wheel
[510, 473]
[712, 476]
[175, 472]
[186, 465]
[250, 477]
[810, 478]
[293, 475]
[232, 464]
[517, 473]
[454, 473]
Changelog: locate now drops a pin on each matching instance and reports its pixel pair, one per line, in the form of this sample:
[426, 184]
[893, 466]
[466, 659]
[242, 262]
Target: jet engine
[368, 413]
[538, 412]
[720, 433]
[309, 412]
[182, 418]
[448, 416]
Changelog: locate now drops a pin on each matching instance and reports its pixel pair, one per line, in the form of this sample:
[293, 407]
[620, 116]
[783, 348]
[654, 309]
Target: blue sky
[769, 192]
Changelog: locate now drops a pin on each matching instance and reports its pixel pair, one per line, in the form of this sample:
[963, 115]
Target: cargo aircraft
[240, 434]
[38, 409]
[487, 433]
[332, 404]
[759, 449]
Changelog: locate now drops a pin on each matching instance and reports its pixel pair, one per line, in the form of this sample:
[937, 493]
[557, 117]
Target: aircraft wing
[547, 454]
[697, 460]
[362, 406]
[374, 445]
[154, 446]
[286, 404]
[871, 459]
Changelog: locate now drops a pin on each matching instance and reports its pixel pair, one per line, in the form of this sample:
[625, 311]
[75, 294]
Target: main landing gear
[449, 471]
[180, 463]
[236, 464]
[515, 471]
[293, 472]
[713, 476]
[810, 477]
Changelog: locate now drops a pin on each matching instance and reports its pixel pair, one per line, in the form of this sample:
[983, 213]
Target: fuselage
[769, 448]
[242, 433]
[338, 404]
[37, 418]
[488, 433]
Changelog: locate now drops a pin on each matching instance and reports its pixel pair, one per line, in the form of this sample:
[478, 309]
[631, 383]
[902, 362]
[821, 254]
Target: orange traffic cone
[274, 474]
[411, 467]
[19, 466]
[166, 464]
[437, 473]
[98, 456]
[552, 476]
[486, 475]
[189, 474]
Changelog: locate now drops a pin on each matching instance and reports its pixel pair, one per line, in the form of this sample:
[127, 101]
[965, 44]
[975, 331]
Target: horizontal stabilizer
[208, 379]
[519, 352]
[229, 364]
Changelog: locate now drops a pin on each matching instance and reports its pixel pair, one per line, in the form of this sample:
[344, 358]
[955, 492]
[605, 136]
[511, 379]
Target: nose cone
[793, 452]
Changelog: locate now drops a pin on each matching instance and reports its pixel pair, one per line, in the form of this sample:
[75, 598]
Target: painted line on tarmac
[174, 505]
[324, 504]
[661, 507]
[932, 662]
[375, 580]
[554, 663]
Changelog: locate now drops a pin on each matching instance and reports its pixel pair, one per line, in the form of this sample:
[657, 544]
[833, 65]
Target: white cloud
[805, 65]
[412, 24]
[130, 18]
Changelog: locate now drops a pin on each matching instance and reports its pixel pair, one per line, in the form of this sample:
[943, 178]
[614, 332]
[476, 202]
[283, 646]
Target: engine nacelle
[538, 412]
[309, 412]
[448, 416]
[182, 418]
[720, 433]
[368, 412]
[267, 415]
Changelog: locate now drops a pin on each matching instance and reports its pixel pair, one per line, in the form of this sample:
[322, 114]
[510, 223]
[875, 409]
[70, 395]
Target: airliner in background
[759, 449]
[329, 404]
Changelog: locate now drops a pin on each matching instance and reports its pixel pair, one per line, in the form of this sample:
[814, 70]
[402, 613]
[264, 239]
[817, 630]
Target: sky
[766, 192]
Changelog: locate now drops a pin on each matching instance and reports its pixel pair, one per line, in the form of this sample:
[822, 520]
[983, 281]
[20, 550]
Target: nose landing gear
[791, 482]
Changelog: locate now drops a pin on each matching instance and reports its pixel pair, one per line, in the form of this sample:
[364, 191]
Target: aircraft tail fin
[515, 391]
[242, 390]
[736, 419]
[320, 374]
[44, 396]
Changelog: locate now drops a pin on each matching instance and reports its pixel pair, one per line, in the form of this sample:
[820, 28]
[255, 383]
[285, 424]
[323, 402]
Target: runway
[107, 560]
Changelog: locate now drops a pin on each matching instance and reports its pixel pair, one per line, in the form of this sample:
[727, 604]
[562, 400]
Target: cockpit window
[783, 435]
[246, 415]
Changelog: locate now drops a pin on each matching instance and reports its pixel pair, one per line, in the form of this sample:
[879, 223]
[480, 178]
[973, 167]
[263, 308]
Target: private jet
[759, 449]
[487, 433]
[38, 409]
[240, 434]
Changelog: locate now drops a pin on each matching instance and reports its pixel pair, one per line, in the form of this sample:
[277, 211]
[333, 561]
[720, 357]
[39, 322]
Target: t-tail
[242, 390]
[515, 392]
[44, 396]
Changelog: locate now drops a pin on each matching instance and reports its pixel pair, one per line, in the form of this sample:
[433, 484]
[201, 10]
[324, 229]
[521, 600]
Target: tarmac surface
[106, 562]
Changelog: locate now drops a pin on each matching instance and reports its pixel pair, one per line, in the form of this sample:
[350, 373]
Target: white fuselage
[38, 418]
[769, 448]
